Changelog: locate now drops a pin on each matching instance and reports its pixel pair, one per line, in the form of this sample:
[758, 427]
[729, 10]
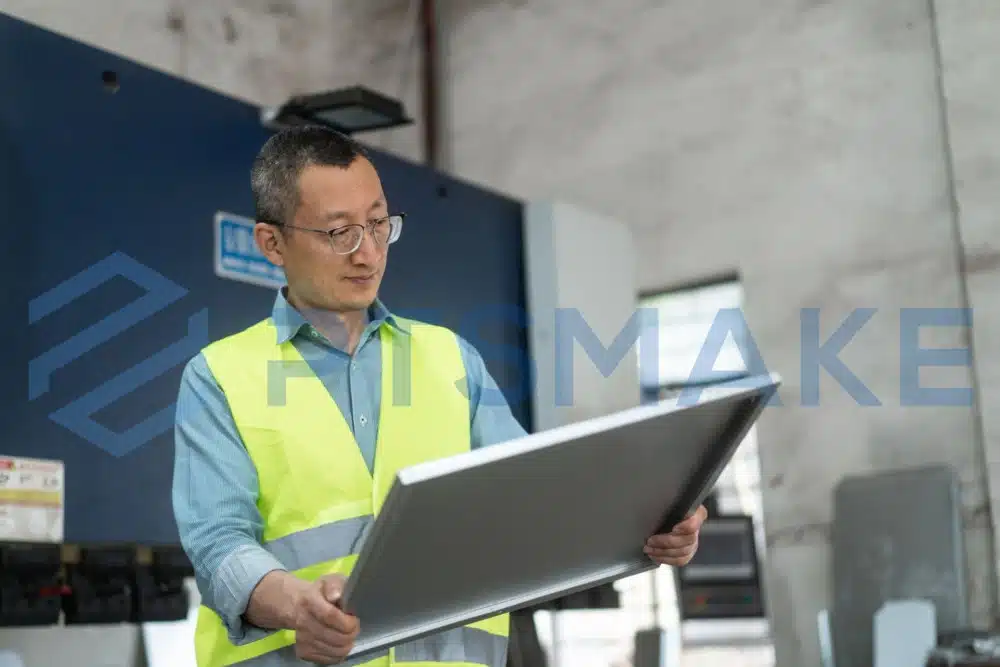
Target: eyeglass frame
[329, 233]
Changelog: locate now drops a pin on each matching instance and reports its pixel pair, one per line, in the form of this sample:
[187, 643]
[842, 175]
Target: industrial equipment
[349, 110]
[901, 554]
[652, 648]
[723, 580]
[158, 589]
[30, 584]
[110, 260]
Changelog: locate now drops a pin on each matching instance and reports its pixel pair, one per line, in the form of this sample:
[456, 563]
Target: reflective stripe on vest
[464, 646]
[316, 545]
[317, 497]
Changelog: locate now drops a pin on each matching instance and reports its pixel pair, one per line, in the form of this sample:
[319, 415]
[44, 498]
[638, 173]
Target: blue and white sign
[237, 256]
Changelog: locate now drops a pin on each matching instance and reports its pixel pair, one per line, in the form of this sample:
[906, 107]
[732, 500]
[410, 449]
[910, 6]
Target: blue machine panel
[108, 197]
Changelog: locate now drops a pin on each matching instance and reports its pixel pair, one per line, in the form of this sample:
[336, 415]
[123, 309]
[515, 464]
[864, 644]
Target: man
[287, 433]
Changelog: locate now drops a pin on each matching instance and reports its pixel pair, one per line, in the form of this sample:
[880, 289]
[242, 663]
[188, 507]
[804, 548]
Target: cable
[406, 54]
[956, 225]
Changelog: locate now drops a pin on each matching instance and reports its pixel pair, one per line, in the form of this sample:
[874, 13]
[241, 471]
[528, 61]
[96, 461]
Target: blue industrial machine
[111, 175]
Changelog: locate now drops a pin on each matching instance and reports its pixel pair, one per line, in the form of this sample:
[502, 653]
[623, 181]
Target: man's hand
[679, 545]
[324, 634]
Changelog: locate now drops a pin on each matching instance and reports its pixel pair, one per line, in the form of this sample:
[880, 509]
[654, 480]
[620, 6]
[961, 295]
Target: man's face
[331, 198]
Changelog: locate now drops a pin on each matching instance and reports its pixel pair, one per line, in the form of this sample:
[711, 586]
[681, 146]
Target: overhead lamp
[348, 110]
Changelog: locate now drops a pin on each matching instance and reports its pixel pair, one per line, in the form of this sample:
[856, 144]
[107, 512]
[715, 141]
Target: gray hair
[274, 177]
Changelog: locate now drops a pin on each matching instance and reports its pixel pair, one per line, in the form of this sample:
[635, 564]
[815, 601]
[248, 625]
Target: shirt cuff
[233, 583]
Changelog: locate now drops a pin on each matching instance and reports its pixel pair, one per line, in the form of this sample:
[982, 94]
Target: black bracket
[30, 586]
[100, 586]
[159, 587]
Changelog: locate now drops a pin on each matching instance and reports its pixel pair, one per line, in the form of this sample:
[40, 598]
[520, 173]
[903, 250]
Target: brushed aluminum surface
[464, 538]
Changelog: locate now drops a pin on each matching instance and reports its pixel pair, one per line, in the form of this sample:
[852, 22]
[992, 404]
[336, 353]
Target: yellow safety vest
[317, 496]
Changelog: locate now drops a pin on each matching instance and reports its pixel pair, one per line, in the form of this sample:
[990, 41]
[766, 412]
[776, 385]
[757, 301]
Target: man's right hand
[324, 633]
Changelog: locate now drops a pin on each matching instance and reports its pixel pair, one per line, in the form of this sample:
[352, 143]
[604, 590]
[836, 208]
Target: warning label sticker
[31, 500]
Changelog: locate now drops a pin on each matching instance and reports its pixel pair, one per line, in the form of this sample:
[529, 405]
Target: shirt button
[363, 420]
[354, 365]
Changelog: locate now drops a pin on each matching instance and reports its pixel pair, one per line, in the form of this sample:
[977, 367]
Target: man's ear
[270, 242]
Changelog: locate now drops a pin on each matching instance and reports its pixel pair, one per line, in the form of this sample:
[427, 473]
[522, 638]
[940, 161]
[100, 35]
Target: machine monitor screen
[725, 551]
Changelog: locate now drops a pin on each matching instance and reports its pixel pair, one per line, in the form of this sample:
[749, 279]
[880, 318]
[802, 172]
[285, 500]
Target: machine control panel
[723, 579]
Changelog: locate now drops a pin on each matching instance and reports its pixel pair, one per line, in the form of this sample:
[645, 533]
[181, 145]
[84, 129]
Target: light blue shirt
[215, 482]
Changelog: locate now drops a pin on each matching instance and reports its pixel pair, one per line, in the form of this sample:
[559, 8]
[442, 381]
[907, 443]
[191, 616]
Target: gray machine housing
[897, 535]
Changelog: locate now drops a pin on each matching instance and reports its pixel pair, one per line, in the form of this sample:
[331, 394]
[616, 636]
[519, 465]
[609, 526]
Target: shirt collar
[289, 322]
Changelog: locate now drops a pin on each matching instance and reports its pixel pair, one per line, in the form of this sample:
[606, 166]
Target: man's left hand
[677, 547]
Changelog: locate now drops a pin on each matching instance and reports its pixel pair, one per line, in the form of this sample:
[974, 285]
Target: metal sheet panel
[503, 528]
[896, 535]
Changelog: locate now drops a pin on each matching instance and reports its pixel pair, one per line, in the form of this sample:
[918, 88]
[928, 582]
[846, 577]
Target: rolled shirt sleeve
[215, 493]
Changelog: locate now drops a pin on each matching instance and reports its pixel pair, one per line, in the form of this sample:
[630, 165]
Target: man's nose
[368, 251]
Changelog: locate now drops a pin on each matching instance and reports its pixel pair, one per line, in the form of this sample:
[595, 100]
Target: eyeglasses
[347, 239]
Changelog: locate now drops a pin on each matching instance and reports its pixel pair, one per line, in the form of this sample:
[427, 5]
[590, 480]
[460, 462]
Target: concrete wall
[262, 51]
[970, 55]
[803, 143]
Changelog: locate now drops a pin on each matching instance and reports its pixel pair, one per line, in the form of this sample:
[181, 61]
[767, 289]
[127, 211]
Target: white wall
[582, 294]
